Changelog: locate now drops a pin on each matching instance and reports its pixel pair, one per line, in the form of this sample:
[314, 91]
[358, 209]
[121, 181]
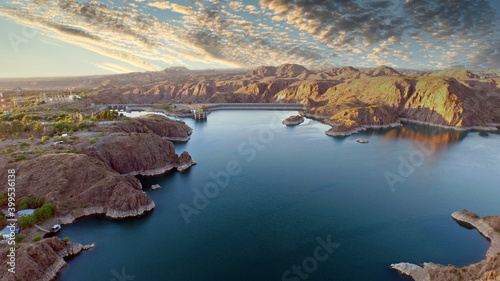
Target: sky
[43, 38]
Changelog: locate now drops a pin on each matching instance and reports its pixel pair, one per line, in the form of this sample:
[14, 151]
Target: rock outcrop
[291, 71]
[166, 128]
[152, 123]
[487, 269]
[126, 153]
[40, 261]
[293, 120]
[80, 186]
[386, 100]
[460, 73]
[264, 71]
[382, 70]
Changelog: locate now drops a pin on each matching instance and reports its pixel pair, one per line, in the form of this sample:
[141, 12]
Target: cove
[296, 187]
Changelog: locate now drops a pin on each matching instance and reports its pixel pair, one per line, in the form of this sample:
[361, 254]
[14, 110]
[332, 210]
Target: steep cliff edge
[136, 153]
[152, 123]
[384, 101]
[40, 261]
[80, 186]
[488, 269]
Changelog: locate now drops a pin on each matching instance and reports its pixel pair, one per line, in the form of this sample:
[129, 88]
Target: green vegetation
[23, 144]
[45, 212]
[41, 214]
[84, 205]
[29, 202]
[25, 125]
[92, 140]
[3, 220]
[26, 221]
[20, 157]
[36, 239]
[19, 238]
[107, 115]
[45, 138]
[4, 199]
[101, 134]
[66, 239]
[31, 138]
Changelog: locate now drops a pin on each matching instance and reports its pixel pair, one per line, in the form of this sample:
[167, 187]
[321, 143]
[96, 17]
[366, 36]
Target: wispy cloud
[172, 6]
[114, 67]
[315, 33]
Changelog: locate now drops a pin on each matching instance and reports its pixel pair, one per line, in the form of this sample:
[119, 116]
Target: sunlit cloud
[155, 34]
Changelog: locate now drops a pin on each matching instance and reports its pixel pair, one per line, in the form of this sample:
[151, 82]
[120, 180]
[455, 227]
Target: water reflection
[439, 138]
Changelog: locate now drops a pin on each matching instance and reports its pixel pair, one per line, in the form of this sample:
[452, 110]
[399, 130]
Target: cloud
[364, 22]
[173, 7]
[345, 25]
[309, 32]
[114, 67]
[236, 6]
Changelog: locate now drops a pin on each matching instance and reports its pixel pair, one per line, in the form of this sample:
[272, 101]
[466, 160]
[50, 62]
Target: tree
[29, 202]
[5, 129]
[26, 221]
[45, 212]
[38, 128]
[19, 238]
[16, 128]
[3, 220]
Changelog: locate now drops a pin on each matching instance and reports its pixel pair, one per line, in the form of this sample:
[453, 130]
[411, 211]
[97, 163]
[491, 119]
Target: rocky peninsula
[162, 126]
[94, 175]
[42, 260]
[486, 270]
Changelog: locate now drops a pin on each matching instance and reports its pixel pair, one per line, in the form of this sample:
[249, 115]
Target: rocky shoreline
[98, 180]
[488, 269]
[183, 163]
[30, 266]
[339, 130]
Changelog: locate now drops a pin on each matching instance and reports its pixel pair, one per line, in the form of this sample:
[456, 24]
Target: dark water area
[269, 202]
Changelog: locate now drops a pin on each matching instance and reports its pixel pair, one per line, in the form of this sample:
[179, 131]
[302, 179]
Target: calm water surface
[296, 186]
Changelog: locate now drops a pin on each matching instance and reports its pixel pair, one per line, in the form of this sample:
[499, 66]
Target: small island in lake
[293, 120]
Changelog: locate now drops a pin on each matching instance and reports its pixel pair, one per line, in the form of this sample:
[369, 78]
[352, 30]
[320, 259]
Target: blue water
[290, 188]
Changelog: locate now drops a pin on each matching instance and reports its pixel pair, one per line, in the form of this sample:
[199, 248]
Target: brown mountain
[291, 71]
[346, 98]
[461, 73]
[382, 70]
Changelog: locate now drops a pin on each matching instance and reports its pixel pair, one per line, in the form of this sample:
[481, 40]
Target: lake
[270, 202]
